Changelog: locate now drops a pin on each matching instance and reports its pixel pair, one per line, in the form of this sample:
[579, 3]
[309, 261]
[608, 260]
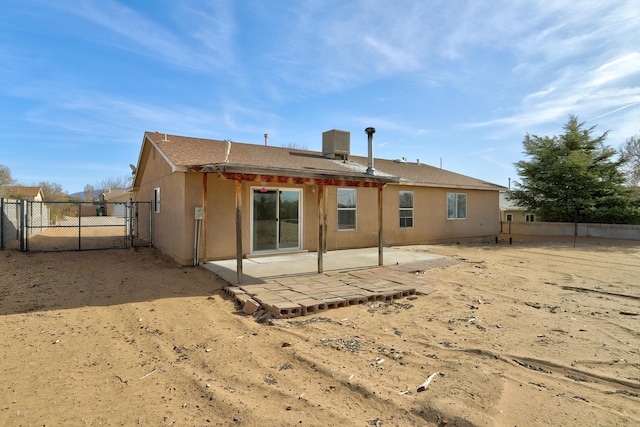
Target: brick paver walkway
[302, 295]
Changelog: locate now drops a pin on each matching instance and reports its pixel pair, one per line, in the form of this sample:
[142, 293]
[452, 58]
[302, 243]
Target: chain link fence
[61, 226]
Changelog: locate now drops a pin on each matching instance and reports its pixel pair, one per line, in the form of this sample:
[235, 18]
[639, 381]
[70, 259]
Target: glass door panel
[289, 230]
[265, 220]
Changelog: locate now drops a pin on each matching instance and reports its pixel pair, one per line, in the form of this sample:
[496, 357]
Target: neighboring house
[33, 194]
[117, 200]
[509, 211]
[116, 203]
[219, 200]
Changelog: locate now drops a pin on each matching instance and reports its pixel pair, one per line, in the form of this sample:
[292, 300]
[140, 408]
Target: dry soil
[531, 334]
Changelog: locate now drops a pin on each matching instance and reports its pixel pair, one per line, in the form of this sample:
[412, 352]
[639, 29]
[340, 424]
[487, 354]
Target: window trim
[405, 209]
[347, 209]
[458, 197]
[508, 217]
[156, 200]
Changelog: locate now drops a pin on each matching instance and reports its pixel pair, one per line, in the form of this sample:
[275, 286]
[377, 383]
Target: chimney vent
[266, 139]
[370, 131]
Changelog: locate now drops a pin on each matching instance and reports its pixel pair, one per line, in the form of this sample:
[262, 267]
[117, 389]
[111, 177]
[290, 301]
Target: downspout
[204, 214]
[380, 227]
[199, 225]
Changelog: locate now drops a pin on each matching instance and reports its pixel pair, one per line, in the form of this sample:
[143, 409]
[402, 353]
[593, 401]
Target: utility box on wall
[198, 212]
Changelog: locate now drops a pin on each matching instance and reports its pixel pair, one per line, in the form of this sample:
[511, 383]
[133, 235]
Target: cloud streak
[205, 46]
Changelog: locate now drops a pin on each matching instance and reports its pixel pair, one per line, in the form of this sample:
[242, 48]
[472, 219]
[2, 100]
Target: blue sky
[457, 81]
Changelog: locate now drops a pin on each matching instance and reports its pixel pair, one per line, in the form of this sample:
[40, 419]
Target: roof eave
[489, 187]
[147, 138]
[294, 173]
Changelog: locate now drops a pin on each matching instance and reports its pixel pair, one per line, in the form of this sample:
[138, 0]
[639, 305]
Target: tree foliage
[294, 146]
[630, 150]
[574, 174]
[54, 192]
[114, 183]
[6, 178]
[89, 193]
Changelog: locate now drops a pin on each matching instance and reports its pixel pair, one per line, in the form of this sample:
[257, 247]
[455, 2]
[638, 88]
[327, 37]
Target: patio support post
[380, 228]
[239, 230]
[320, 189]
[324, 218]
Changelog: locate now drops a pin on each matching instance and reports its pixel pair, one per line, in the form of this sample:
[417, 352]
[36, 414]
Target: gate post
[1, 223]
[129, 218]
[79, 226]
[23, 217]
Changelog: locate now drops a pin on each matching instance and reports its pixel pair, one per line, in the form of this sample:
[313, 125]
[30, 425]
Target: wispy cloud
[338, 44]
[206, 45]
[582, 61]
[597, 93]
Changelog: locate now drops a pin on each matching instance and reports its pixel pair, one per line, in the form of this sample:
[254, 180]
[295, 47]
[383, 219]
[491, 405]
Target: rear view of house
[217, 199]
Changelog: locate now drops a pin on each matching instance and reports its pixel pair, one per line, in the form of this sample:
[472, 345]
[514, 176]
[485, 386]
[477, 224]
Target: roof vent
[336, 143]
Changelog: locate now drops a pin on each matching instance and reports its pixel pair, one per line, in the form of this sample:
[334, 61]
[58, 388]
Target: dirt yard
[530, 334]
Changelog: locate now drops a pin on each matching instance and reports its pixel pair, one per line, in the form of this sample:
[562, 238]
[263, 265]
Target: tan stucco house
[509, 211]
[215, 199]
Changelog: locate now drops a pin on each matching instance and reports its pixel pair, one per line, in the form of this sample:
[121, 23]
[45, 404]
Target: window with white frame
[530, 217]
[509, 217]
[347, 208]
[406, 209]
[456, 206]
[156, 200]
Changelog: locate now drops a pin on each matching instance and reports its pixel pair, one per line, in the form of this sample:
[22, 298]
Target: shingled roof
[192, 154]
[22, 191]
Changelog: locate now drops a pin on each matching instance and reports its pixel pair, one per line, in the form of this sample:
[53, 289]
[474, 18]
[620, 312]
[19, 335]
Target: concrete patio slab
[263, 268]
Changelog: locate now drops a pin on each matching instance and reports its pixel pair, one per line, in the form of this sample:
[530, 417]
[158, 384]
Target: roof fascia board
[492, 187]
[147, 138]
[297, 173]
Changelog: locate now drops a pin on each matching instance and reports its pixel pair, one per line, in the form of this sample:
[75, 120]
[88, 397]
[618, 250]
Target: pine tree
[574, 176]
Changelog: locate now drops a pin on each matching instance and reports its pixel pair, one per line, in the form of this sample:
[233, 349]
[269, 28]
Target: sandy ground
[532, 334]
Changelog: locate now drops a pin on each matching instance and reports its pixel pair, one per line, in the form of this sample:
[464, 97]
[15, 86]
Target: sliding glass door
[275, 220]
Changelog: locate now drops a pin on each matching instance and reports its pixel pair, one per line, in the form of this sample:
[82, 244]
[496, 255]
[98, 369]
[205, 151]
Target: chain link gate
[62, 226]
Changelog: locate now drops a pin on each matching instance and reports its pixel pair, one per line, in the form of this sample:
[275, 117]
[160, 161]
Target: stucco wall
[181, 193]
[169, 226]
[430, 223]
[430, 217]
[220, 227]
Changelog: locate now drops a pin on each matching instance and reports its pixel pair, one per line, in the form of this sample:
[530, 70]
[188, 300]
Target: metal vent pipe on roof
[266, 139]
[370, 131]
